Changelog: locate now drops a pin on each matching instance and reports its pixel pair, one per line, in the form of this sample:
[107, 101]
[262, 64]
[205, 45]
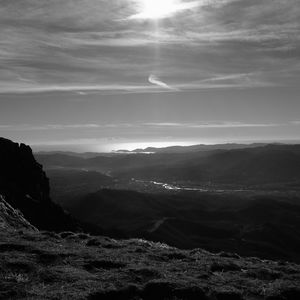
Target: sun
[158, 9]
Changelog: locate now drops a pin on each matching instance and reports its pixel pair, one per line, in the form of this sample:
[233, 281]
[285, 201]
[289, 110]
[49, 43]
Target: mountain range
[263, 165]
[193, 148]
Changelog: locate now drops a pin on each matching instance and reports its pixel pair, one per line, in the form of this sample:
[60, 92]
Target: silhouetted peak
[20, 174]
[25, 186]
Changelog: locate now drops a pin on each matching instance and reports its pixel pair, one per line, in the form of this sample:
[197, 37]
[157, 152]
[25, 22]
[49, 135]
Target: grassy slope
[77, 266]
[267, 226]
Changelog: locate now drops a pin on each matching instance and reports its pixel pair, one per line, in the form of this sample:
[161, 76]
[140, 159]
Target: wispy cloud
[81, 89]
[26, 127]
[84, 47]
[157, 81]
[168, 125]
[207, 125]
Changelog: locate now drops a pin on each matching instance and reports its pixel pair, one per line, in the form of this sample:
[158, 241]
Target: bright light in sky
[158, 9]
[155, 9]
[142, 145]
[105, 75]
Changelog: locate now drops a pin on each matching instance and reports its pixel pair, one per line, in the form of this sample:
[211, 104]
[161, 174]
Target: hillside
[251, 166]
[263, 225]
[262, 166]
[71, 184]
[45, 265]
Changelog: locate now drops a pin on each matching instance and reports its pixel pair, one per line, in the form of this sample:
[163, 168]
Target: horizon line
[123, 150]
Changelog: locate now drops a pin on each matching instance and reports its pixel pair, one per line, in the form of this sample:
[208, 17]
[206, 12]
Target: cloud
[41, 127]
[207, 125]
[87, 46]
[26, 127]
[80, 89]
[169, 125]
[295, 122]
[156, 81]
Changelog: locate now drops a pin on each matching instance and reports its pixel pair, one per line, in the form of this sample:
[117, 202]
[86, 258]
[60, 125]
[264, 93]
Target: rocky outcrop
[12, 218]
[20, 174]
[25, 186]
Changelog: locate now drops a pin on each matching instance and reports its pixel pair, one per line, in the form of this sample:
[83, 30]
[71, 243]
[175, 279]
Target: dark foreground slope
[266, 225]
[77, 266]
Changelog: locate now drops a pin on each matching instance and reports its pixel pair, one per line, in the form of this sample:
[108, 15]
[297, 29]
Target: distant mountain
[75, 154]
[249, 166]
[193, 148]
[263, 165]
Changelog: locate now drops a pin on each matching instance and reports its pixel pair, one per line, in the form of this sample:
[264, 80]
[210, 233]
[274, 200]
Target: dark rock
[170, 290]
[224, 267]
[128, 293]
[25, 186]
[229, 255]
[264, 274]
[93, 243]
[12, 218]
[228, 294]
[104, 264]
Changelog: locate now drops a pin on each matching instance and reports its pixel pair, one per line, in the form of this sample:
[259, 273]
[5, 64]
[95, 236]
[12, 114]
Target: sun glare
[158, 9]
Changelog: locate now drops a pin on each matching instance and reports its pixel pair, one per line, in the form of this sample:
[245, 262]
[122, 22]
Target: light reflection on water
[173, 187]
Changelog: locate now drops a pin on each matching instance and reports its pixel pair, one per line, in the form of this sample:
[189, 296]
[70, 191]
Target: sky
[95, 75]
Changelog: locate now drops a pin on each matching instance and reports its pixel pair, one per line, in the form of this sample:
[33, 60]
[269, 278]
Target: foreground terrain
[266, 225]
[45, 255]
[45, 265]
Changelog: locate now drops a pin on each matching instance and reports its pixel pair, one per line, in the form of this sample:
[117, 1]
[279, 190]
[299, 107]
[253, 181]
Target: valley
[239, 200]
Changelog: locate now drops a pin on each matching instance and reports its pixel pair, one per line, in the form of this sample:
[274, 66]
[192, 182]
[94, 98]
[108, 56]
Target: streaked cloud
[84, 46]
[169, 125]
[81, 89]
[157, 81]
[207, 125]
[88, 71]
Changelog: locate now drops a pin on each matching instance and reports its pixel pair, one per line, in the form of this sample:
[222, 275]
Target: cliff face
[20, 174]
[24, 185]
